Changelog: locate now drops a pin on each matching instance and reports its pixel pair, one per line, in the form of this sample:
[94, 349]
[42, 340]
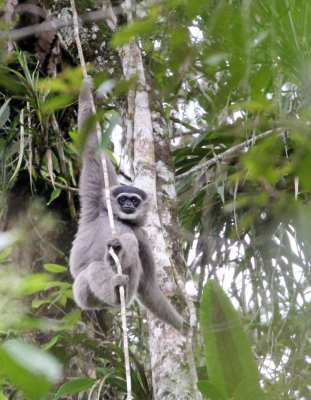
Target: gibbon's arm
[92, 176]
[149, 293]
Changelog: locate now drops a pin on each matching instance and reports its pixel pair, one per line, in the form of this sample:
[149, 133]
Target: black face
[128, 203]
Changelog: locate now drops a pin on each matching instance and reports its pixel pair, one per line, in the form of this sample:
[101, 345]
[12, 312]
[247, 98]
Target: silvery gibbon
[96, 282]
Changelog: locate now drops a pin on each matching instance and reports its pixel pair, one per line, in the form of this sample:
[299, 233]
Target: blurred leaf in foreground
[230, 361]
[32, 370]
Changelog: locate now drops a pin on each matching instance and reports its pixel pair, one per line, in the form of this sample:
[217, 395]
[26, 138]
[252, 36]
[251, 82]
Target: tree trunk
[170, 371]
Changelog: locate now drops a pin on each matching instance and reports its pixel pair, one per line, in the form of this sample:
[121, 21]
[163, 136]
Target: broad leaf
[55, 193]
[55, 268]
[34, 283]
[230, 361]
[74, 386]
[30, 369]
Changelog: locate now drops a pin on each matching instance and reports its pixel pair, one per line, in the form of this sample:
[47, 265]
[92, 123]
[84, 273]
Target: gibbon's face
[129, 203]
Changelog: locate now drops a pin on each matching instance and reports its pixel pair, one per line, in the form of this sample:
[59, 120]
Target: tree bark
[170, 370]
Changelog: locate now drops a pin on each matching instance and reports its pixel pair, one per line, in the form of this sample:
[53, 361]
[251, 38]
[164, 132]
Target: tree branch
[59, 185]
[92, 16]
[226, 154]
[191, 128]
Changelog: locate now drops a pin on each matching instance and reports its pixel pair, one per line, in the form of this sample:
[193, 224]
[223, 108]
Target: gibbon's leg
[126, 248]
[98, 282]
[82, 293]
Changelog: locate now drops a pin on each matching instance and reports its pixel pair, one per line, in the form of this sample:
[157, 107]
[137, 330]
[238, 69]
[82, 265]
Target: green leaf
[32, 370]
[57, 102]
[54, 195]
[21, 148]
[74, 386]
[34, 283]
[249, 390]
[38, 303]
[67, 82]
[51, 343]
[5, 253]
[229, 357]
[71, 172]
[4, 113]
[119, 383]
[55, 268]
[140, 27]
[69, 320]
[210, 390]
[3, 397]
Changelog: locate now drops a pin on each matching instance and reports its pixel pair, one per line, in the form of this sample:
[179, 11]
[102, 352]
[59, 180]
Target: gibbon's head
[129, 204]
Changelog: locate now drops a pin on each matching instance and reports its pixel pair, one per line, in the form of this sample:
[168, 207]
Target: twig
[59, 185]
[226, 154]
[109, 208]
[191, 128]
[43, 240]
[234, 208]
[92, 16]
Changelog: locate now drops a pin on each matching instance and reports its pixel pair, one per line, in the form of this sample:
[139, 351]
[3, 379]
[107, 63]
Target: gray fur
[96, 282]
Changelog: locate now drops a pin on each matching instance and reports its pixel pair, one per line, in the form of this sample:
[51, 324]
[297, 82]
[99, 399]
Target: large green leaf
[28, 368]
[230, 362]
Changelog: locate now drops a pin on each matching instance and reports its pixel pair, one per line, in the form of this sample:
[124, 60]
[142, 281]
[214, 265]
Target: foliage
[237, 71]
[24, 365]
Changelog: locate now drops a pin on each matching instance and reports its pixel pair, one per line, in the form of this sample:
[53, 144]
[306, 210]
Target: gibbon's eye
[135, 201]
[122, 200]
